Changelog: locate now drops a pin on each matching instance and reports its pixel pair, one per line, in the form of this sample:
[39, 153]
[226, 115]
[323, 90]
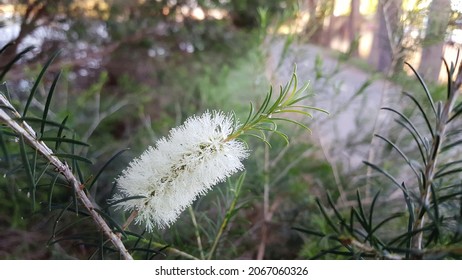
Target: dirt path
[352, 96]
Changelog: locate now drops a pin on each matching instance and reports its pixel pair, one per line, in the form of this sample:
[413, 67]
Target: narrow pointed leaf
[8, 66]
[294, 122]
[424, 85]
[55, 224]
[7, 45]
[111, 221]
[48, 101]
[40, 121]
[336, 212]
[64, 140]
[422, 112]
[74, 157]
[123, 200]
[401, 153]
[417, 141]
[3, 147]
[380, 170]
[104, 168]
[60, 132]
[407, 121]
[51, 189]
[328, 219]
[28, 169]
[37, 82]
[372, 208]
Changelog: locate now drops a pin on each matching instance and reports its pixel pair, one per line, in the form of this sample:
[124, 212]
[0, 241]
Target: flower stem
[196, 232]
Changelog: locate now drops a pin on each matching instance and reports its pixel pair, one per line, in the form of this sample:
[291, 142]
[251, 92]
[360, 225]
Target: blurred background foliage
[131, 70]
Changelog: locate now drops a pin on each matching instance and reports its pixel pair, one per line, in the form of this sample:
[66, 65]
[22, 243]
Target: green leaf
[55, 225]
[72, 225]
[451, 145]
[424, 85]
[104, 168]
[260, 138]
[388, 175]
[148, 251]
[452, 171]
[76, 167]
[8, 108]
[64, 140]
[436, 210]
[111, 221]
[28, 168]
[50, 192]
[336, 212]
[148, 248]
[264, 105]
[365, 85]
[371, 211]
[386, 220]
[37, 82]
[74, 157]
[448, 197]
[410, 210]
[295, 111]
[77, 237]
[401, 153]
[48, 101]
[450, 82]
[40, 121]
[309, 231]
[249, 117]
[352, 222]
[294, 122]
[124, 199]
[283, 136]
[60, 132]
[6, 93]
[361, 215]
[407, 121]
[419, 145]
[310, 108]
[3, 147]
[328, 219]
[8, 66]
[422, 112]
[7, 45]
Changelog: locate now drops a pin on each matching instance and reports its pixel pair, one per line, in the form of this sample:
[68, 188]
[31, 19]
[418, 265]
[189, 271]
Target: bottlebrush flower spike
[190, 161]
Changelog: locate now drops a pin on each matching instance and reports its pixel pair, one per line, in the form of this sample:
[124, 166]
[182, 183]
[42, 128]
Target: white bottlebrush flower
[171, 175]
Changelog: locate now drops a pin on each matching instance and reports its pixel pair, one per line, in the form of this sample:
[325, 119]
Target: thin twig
[431, 166]
[227, 218]
[30, 136]
[266, 202]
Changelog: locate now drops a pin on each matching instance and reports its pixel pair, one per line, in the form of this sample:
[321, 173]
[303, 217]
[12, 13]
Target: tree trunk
[353, 27]
[386, 48]
[34, 12]
[319, 11]
[438, 19]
